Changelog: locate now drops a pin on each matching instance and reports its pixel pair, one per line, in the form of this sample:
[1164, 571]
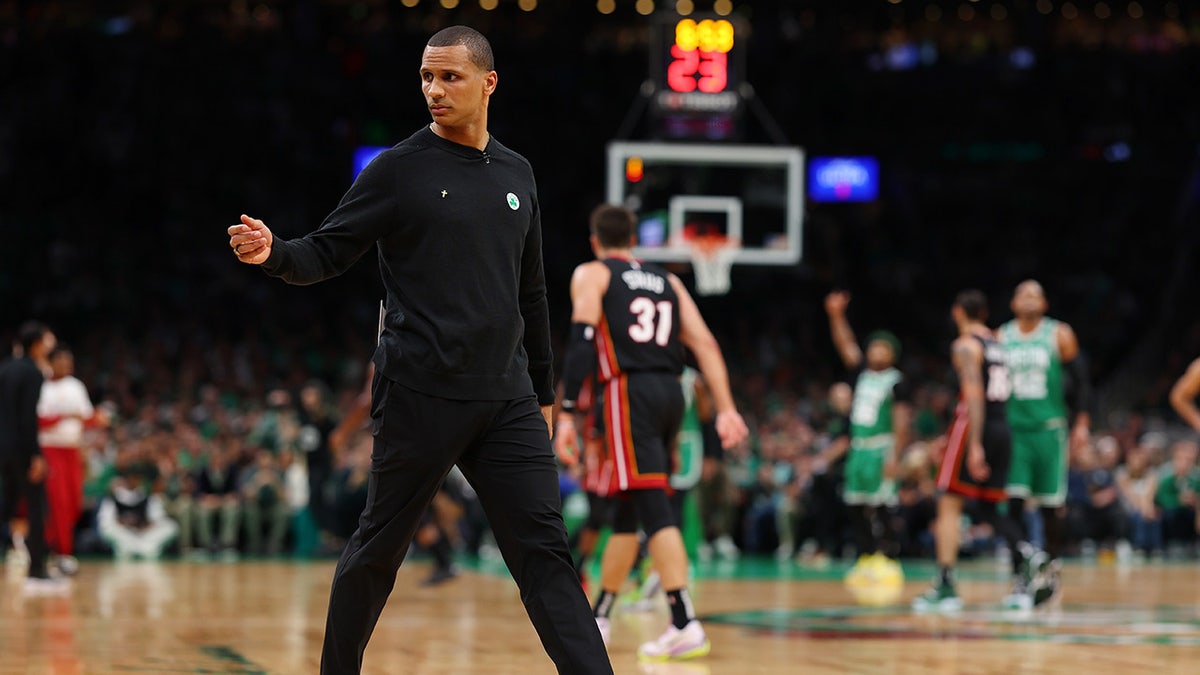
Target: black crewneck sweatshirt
[460, 253]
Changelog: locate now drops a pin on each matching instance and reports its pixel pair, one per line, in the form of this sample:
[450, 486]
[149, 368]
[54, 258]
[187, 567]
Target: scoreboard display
[697, 68]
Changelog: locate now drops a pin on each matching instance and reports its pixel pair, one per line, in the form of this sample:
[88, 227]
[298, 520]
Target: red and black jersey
[995, 379]
[639, 331]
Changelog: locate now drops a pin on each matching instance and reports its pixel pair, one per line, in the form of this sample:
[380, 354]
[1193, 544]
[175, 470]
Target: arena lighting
[723, 7]
[527, 5]
[684, 7]
[488, 5]
[449, 4]
[843, 179]
[635, 169]
[1069, 11]
[606, 6]
[1135, 10]
[645, 7]
[409, 3]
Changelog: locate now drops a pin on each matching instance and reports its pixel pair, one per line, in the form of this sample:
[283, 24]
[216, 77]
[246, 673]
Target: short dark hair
[30, 333]
[973, 303]
[613, 226]
[473, 40]
[59, 348]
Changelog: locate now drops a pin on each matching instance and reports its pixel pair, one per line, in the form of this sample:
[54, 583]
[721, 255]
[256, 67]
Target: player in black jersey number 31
[630, 324]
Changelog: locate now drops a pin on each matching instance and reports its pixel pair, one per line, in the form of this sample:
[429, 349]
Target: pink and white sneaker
[677, 644]
[605, 627]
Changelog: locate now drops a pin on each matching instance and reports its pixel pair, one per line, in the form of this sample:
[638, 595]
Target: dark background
[1059, 145]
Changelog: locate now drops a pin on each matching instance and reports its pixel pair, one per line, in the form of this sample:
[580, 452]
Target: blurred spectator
[178, 487]
[718, 501]
[317, 419]
[1137, 482]
[348, 487]
[916, 508]
[1176, 497]
[133, 520]
[264, 502]
[295, 485]
[829, 515]
[64, 410]
[1095, 514]
[217, 496]
[770, 515]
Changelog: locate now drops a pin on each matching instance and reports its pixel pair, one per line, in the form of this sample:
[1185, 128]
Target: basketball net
[712, 259]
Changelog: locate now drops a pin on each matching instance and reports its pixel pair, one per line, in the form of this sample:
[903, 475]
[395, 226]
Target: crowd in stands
[210, 472]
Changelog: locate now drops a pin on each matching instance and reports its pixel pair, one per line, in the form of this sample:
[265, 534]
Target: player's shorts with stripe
[953, 476]
[642, 414]
[597, 462]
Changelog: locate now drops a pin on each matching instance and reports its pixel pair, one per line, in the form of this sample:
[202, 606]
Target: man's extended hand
[251, 240]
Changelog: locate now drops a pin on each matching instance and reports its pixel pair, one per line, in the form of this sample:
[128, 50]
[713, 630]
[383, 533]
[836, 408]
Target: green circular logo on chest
[513, 202]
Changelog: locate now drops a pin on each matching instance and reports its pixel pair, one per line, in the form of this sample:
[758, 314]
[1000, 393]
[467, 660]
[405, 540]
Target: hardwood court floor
[762, 617]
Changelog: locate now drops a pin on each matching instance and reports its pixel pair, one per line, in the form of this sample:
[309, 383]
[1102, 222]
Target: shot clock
[696, 66]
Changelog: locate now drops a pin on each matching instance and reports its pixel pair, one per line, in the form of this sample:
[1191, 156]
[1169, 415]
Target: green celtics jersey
[691, 436]
[1035, 369]
[871, 414]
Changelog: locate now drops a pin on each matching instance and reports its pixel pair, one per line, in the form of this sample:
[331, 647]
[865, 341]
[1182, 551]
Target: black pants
[15, 484]
[503, 449]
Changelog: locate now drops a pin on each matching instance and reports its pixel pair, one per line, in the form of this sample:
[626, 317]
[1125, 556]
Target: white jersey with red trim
[62, 408]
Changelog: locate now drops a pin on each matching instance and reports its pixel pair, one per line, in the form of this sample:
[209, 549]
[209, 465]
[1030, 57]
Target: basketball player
[1184, 393]
[22, 465]
[880, 422]
[64, 409]
[637, 319]
[1042, 354]
[978, 449]
[464, 360]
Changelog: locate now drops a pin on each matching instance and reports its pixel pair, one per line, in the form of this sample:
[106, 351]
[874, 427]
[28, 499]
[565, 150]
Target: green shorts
[865, 483]
[1039, 465]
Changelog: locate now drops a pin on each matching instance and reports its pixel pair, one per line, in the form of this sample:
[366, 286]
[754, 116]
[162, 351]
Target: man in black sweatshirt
[464, 359]
[22, 466]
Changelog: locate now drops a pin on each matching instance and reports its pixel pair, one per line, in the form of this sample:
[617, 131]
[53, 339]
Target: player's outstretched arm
[251, 241]
[696, 336]
[839, 326]
[1184, 393]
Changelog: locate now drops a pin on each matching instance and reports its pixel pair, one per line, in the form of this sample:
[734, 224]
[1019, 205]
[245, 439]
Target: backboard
[750, 193]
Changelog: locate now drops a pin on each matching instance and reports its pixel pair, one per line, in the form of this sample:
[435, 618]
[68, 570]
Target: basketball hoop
[712, 258]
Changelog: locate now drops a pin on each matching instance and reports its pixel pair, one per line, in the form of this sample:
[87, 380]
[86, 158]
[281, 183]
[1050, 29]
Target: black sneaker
[440, 576]
[1046, 582]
